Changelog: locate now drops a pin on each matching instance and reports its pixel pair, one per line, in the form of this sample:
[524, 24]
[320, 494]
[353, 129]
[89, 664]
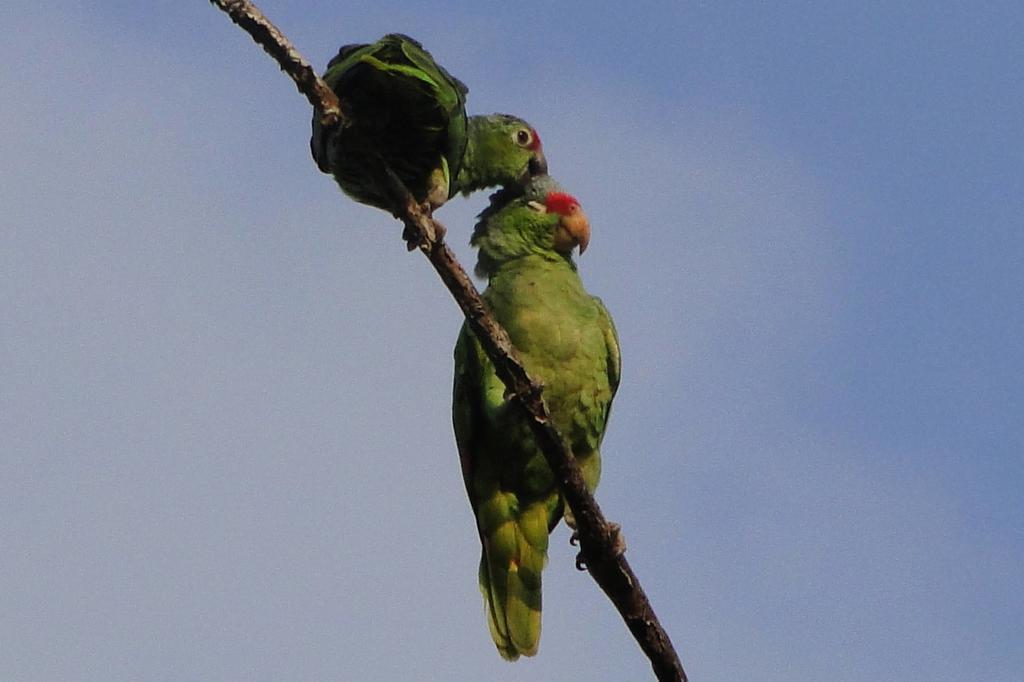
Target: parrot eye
[523, 137]
[537, 206]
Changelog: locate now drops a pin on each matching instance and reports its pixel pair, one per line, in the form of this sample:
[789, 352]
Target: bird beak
[577, 231]
[537, 165]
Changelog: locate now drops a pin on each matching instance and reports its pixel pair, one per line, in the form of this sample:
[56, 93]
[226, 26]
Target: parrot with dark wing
[566, 340]
[404, 111]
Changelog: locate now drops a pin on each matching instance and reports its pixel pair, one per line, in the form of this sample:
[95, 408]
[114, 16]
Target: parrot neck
[480, 168]
[493, 263]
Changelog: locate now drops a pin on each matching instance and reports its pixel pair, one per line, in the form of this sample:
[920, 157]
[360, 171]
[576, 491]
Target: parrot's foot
[402, 203]
[412, 237]
[618, 543]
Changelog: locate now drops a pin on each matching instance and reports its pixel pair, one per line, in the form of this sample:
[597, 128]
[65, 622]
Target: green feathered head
[503, 150]
[540, 219]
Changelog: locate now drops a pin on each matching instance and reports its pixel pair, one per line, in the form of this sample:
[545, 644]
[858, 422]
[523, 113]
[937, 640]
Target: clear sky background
[225, 444]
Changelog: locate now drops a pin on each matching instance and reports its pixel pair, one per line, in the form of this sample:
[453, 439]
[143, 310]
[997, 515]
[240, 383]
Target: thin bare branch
[600, 544]
[269, 37]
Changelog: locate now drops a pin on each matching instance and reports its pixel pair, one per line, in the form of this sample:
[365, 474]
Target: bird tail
[513, 557]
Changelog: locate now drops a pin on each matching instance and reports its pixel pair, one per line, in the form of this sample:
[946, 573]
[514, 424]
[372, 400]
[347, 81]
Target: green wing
[466, 402]
[402, 109]
[611, 340]
[513, 528]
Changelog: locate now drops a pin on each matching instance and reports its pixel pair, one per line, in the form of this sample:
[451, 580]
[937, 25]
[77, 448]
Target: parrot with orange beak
[566, 340]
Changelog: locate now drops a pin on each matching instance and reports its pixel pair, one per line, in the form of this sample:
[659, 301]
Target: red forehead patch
[561, 203]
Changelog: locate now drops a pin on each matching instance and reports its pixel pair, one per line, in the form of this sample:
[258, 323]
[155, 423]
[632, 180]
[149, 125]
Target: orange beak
[574, 231]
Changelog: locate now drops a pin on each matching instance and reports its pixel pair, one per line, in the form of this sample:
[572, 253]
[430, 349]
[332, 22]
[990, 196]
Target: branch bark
[600, 545]
[269, 37]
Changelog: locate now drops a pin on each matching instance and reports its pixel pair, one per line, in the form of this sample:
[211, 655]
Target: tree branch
[599, 541]
[269, 37]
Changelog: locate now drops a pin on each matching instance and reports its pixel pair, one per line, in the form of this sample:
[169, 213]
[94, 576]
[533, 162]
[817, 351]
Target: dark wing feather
[401, 108]
[467, 401]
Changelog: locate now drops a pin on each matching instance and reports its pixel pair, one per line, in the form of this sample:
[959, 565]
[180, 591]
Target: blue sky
[225, 446]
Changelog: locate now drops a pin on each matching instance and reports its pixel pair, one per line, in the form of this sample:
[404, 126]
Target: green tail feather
[510, 582]
[494, 606]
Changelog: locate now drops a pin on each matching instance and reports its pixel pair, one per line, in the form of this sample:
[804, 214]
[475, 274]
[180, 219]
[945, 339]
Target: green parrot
[404, 110]
[566, 340]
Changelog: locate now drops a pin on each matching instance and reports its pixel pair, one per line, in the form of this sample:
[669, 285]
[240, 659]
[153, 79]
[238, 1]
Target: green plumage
[402, 109]
[567, 341]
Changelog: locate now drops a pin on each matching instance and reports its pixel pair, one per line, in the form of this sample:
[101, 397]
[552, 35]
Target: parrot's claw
[618, 544]
[574, 538]
[436, 231]
[412, 240]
